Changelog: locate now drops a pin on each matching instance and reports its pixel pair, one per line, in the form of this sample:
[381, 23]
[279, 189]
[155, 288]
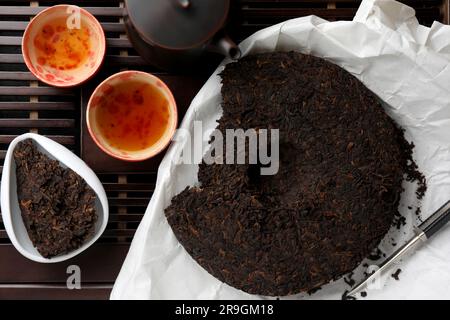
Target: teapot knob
[184, 3]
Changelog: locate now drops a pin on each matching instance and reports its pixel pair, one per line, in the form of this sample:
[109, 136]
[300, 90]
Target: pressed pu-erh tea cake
[56, 204]
[342, 164]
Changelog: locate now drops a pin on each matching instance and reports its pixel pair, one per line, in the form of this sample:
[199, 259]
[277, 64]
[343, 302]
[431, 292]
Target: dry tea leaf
[343, 161]
[58, 207]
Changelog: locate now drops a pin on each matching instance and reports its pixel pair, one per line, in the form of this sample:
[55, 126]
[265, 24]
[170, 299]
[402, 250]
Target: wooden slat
[21, 26]
[2, 157]
[445, 10]
[37, 106]
[111, 42]
[118, 43]
[126, 217]
[125, 61]
[287, 13]
[13, 264]
[319, 3]
[281, 2]
[128, 202]
[115, 233]
[13, 25]
[10, 41]
[43, 293]
[34, 91]
[106, 3]
[31, 11]
[129, 187]
[19, 75]
[11, 58]
[113, 27]
[268, 3]
[66, 140]
[110, 60]
[39, 123]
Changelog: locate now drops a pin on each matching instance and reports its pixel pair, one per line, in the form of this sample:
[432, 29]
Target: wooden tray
[28, 105]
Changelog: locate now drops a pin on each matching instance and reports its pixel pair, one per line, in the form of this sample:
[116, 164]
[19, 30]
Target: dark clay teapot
[174, 34]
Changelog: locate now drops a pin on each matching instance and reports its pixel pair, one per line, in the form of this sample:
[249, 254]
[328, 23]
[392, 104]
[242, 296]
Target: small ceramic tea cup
[108, 89]
[11, 213]
[64, 54]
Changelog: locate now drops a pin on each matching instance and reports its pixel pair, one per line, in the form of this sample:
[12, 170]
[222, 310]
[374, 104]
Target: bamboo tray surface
[27, 105]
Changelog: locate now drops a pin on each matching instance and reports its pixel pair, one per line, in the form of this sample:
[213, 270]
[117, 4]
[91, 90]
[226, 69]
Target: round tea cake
[342, 163]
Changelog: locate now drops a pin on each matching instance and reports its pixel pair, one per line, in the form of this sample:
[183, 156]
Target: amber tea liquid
[133, 115]
[62, 48]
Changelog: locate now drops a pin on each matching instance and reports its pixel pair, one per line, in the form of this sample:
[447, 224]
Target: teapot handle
[225, 46]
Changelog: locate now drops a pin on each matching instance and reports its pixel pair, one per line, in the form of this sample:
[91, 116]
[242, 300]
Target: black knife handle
[436, 221]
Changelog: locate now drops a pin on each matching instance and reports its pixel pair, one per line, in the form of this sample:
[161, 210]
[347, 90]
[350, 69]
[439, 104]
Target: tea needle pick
[424, 231]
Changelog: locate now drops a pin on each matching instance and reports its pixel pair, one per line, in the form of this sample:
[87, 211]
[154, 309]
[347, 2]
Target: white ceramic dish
[11, 214]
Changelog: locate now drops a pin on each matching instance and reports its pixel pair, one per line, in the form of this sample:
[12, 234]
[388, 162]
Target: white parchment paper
[407, 66]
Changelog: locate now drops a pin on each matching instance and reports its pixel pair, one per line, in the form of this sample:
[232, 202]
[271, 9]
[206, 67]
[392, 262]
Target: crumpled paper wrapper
[407, 66]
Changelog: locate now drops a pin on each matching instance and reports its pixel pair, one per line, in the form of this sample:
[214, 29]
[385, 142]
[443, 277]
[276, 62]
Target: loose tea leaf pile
[58, 207]
[342, 163]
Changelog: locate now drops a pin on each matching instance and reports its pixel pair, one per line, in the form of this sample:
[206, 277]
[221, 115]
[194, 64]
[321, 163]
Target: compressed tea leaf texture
[342, 164]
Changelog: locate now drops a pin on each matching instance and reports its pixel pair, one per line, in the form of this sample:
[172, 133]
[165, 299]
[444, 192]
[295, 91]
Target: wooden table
[28, 105]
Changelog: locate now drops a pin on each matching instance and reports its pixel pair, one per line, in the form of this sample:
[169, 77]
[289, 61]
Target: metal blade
[387, 264]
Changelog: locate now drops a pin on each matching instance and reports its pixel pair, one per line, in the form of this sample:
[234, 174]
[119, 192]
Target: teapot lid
[177, 24]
